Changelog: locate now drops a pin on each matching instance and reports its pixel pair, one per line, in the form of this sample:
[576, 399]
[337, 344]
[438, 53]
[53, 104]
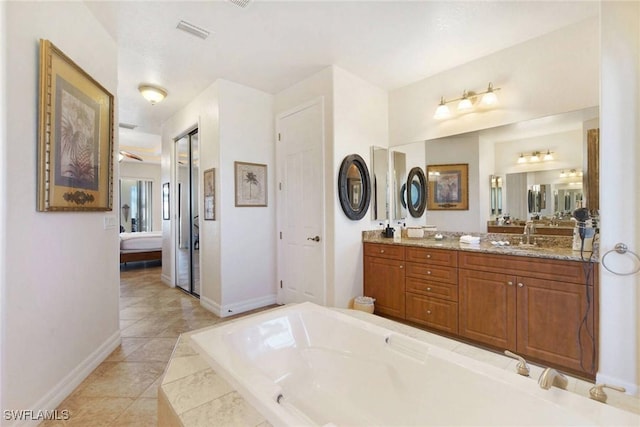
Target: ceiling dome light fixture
[152, 93]
[468, 101]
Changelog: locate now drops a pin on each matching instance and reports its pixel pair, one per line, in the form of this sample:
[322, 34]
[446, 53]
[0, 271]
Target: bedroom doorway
[187, 260]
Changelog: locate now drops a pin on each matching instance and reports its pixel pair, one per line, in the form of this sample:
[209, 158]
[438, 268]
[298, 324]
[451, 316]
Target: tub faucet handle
[522, 368]
[597, 393]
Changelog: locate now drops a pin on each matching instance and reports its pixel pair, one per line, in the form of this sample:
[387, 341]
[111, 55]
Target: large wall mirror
[136, 205]
[494, 152]
[354, 187]
[379, 184]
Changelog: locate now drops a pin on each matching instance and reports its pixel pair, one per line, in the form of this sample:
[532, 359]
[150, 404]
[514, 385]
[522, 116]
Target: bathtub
[309, 365]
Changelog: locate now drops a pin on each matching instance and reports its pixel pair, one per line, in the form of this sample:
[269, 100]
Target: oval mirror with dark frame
[417, 197]
[354, 187]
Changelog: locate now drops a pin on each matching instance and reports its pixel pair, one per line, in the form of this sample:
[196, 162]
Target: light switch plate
[109, 222]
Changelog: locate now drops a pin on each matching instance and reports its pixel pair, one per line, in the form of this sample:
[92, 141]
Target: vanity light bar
[467, 102]
[536, 157]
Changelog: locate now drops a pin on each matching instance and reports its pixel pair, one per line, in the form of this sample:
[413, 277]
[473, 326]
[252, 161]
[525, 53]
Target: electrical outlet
[109, 222]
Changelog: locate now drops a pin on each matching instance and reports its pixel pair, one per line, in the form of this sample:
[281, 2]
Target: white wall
[148, 172]
[552, 74]
[248, 234]
[3, 188]
[360, 121]
[620, 178]
[61, 277]
[237, 250]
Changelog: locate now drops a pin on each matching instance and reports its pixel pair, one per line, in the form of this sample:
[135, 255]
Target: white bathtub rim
[590, 411]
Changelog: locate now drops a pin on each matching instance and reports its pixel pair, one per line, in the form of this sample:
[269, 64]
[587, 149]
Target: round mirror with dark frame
[417, 200]
[354, 186]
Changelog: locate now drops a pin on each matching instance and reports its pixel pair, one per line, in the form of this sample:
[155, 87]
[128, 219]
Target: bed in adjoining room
[141, 246]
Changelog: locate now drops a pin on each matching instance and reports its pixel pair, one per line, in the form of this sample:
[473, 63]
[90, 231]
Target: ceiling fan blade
[130, 155]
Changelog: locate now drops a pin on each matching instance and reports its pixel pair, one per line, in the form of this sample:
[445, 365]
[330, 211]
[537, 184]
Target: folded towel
[469, 239]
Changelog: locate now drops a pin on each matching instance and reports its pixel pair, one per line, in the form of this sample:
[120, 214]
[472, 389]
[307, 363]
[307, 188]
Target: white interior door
[301, 247]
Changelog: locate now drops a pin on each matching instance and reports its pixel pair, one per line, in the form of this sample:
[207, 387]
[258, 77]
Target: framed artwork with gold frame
[448, 187]
[75, 137]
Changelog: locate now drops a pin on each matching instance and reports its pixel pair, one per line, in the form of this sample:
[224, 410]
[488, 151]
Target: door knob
[315, 239]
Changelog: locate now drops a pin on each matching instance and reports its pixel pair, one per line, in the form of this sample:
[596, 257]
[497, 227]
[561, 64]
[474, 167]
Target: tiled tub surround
[193, 394]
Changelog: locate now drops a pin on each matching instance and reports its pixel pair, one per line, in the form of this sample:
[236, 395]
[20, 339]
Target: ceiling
[270, 45]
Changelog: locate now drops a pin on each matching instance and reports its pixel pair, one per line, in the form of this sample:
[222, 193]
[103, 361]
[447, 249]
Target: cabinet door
[487, 306]
[555, 322]
[384, 281]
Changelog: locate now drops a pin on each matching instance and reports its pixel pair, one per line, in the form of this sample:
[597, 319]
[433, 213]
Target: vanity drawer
[384, 251]
[432, 272]
[432, 312]
[432, 289]
[432, 256]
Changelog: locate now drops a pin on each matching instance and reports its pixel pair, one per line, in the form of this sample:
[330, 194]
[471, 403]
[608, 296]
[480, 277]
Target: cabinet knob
[510, 283]
[401, 266]
[428, 255]
[381, 251]
[428, 311]
[428, 272]
[428, 289]
[520, 285]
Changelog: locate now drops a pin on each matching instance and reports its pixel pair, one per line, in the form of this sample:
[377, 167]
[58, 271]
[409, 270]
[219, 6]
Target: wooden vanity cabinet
[384, 278]
[540, 308]
[431, 277]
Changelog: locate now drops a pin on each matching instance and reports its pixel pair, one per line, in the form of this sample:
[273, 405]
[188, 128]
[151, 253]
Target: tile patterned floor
[122, 391]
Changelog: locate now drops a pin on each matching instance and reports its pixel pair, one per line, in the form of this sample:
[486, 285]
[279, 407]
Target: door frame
[280, 162]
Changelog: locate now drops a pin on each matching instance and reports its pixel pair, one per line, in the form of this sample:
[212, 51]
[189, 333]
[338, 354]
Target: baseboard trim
[237, 308]
[166, 280]
[210, 305]
[64, 388]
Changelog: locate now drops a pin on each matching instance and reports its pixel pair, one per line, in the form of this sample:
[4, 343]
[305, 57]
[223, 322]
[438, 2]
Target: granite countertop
[553, 247]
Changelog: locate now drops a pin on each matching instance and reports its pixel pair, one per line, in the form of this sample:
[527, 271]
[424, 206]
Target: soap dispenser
[397, 233]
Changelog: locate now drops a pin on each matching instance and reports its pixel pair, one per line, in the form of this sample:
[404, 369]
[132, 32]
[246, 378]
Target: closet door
[187, 221]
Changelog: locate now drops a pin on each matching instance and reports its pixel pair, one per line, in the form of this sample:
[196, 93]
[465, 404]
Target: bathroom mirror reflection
[496, 194]
[495, 151]
[539, 194]
[399, 184]
[379, 183]
[136, 207]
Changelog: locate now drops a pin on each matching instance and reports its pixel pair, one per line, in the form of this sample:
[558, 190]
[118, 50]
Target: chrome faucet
[529, 229]
[551, 377]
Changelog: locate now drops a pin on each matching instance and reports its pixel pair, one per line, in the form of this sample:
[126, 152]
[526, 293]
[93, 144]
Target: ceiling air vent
[127, 126]
[240, 3]
[193, 29]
